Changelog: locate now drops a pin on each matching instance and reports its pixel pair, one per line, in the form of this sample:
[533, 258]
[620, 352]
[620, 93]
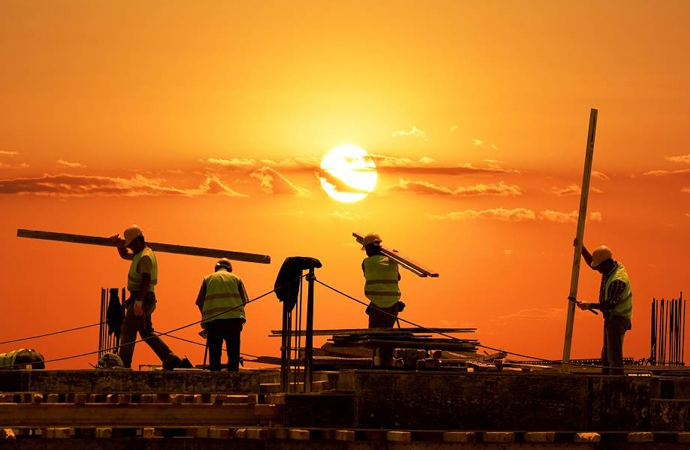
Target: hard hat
[110, 360]
[224, 262]
[370, 239]
[131, 234]
[600, 255]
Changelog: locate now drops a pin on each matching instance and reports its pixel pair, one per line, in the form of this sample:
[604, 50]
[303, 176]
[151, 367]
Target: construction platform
[351, 409]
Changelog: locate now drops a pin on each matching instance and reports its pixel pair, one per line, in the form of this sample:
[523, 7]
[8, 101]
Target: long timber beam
[96, 414]
[155, 246]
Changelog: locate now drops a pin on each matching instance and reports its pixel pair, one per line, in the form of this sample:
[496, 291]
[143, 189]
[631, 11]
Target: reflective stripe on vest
[134, 277]
[223, 299]
[624, 306]
[381, 286]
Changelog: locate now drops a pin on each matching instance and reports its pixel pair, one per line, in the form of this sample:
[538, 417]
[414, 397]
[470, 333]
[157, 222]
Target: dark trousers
[134, 324]
[227, 330]
[612, 351]
[382, 317]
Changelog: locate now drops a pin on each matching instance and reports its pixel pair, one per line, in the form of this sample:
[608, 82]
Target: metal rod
[309, 338]
[652, 334]
[582, 216]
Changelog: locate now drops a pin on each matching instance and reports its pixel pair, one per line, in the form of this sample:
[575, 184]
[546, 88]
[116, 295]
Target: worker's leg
[615, 336]
[382, 317]
[232, 341]
[214, 340]
[160, 348]
[128, 334]
[604, 351]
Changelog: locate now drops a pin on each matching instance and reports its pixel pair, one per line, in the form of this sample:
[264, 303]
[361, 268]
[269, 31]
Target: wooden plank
[586, 437]
[540, 436]
[498, 436]
[638, 437]
[386, 331]
[405, 262]
[582, 218]
[138, 415]
[155, 246]
[459, 436]
[398, 436]
[344, 435]
[299, 435]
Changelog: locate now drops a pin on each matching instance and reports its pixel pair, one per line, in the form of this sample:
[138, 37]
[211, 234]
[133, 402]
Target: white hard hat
[370, 239]
[131, 234]
[600, 255]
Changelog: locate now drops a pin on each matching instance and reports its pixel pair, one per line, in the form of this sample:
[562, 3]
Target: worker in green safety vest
[142, 279]
[221, 301]
[381, 287]
[615, 301]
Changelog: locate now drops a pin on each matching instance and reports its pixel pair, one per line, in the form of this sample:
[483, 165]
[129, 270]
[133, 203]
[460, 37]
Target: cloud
[507, 252]
[10, 166]
[453, 128]
[477, 142]
[273, 182]
[394, 161]
[343, 215]
[6, 153]
[414, 132]
[502, 214]
[679, 158]
[535, 314]
[74, 165]
[424, 187]
[572, 189]
[571, 217]
[64, 185]
[600, 175]
[664, 173]
[461, 169]
[234, 163]
[685, 190]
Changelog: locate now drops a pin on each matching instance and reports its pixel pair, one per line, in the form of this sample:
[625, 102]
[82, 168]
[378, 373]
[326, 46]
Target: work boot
[172, 363]
[185, 364]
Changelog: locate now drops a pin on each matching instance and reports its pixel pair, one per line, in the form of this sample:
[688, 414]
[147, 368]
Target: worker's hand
[138, 308]
[116, 239]
[575, 242]
[584, 305]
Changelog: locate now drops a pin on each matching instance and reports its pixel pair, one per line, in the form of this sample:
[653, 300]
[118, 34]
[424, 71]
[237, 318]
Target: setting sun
[348, 174]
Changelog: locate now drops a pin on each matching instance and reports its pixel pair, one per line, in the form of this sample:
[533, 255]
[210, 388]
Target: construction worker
[381, 286]
[221, 301]
[141, 283]
[615, 301]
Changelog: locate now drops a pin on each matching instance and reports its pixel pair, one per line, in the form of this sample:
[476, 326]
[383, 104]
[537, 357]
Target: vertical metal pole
[309, 338]
[582, 217]
[285, 349]
[652, 334]
[682, 340]
[100, 328]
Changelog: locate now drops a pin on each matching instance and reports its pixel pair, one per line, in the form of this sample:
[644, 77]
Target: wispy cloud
[572, 189]
[73, 165]
[453, 128]
[394, 161]
[571, 217]
[502, 214]
[64, 185]
[600, 175]
[477, 142]
[414, 132]
[535, 314]
[6, 153]
[685, 190]
[679, 158]
[250, 164]
[665, 173]
[424, 187]
[13, 166]
[233, 163]
[454, 170]
[273, 182]
[343, 215]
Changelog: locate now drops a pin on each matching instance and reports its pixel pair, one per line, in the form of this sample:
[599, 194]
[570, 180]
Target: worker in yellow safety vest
[221, 300]
[615, 301]
[141, 284]
[381, 287]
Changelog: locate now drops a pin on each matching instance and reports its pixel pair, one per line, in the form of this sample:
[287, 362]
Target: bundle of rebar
[668, 332]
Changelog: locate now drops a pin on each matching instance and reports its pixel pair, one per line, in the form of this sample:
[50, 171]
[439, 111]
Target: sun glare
[348, 174]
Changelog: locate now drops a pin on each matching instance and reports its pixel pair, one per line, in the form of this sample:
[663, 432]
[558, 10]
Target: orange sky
[204, 125]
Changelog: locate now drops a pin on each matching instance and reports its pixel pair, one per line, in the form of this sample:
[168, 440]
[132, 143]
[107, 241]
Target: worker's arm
[585, 253]
[615, 291]
[243, 292]
[201, 296]
[121, 249]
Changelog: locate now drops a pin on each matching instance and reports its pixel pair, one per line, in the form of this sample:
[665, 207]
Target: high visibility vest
[222, 294]
[381, 287]
[624, 306]
[134, 278]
